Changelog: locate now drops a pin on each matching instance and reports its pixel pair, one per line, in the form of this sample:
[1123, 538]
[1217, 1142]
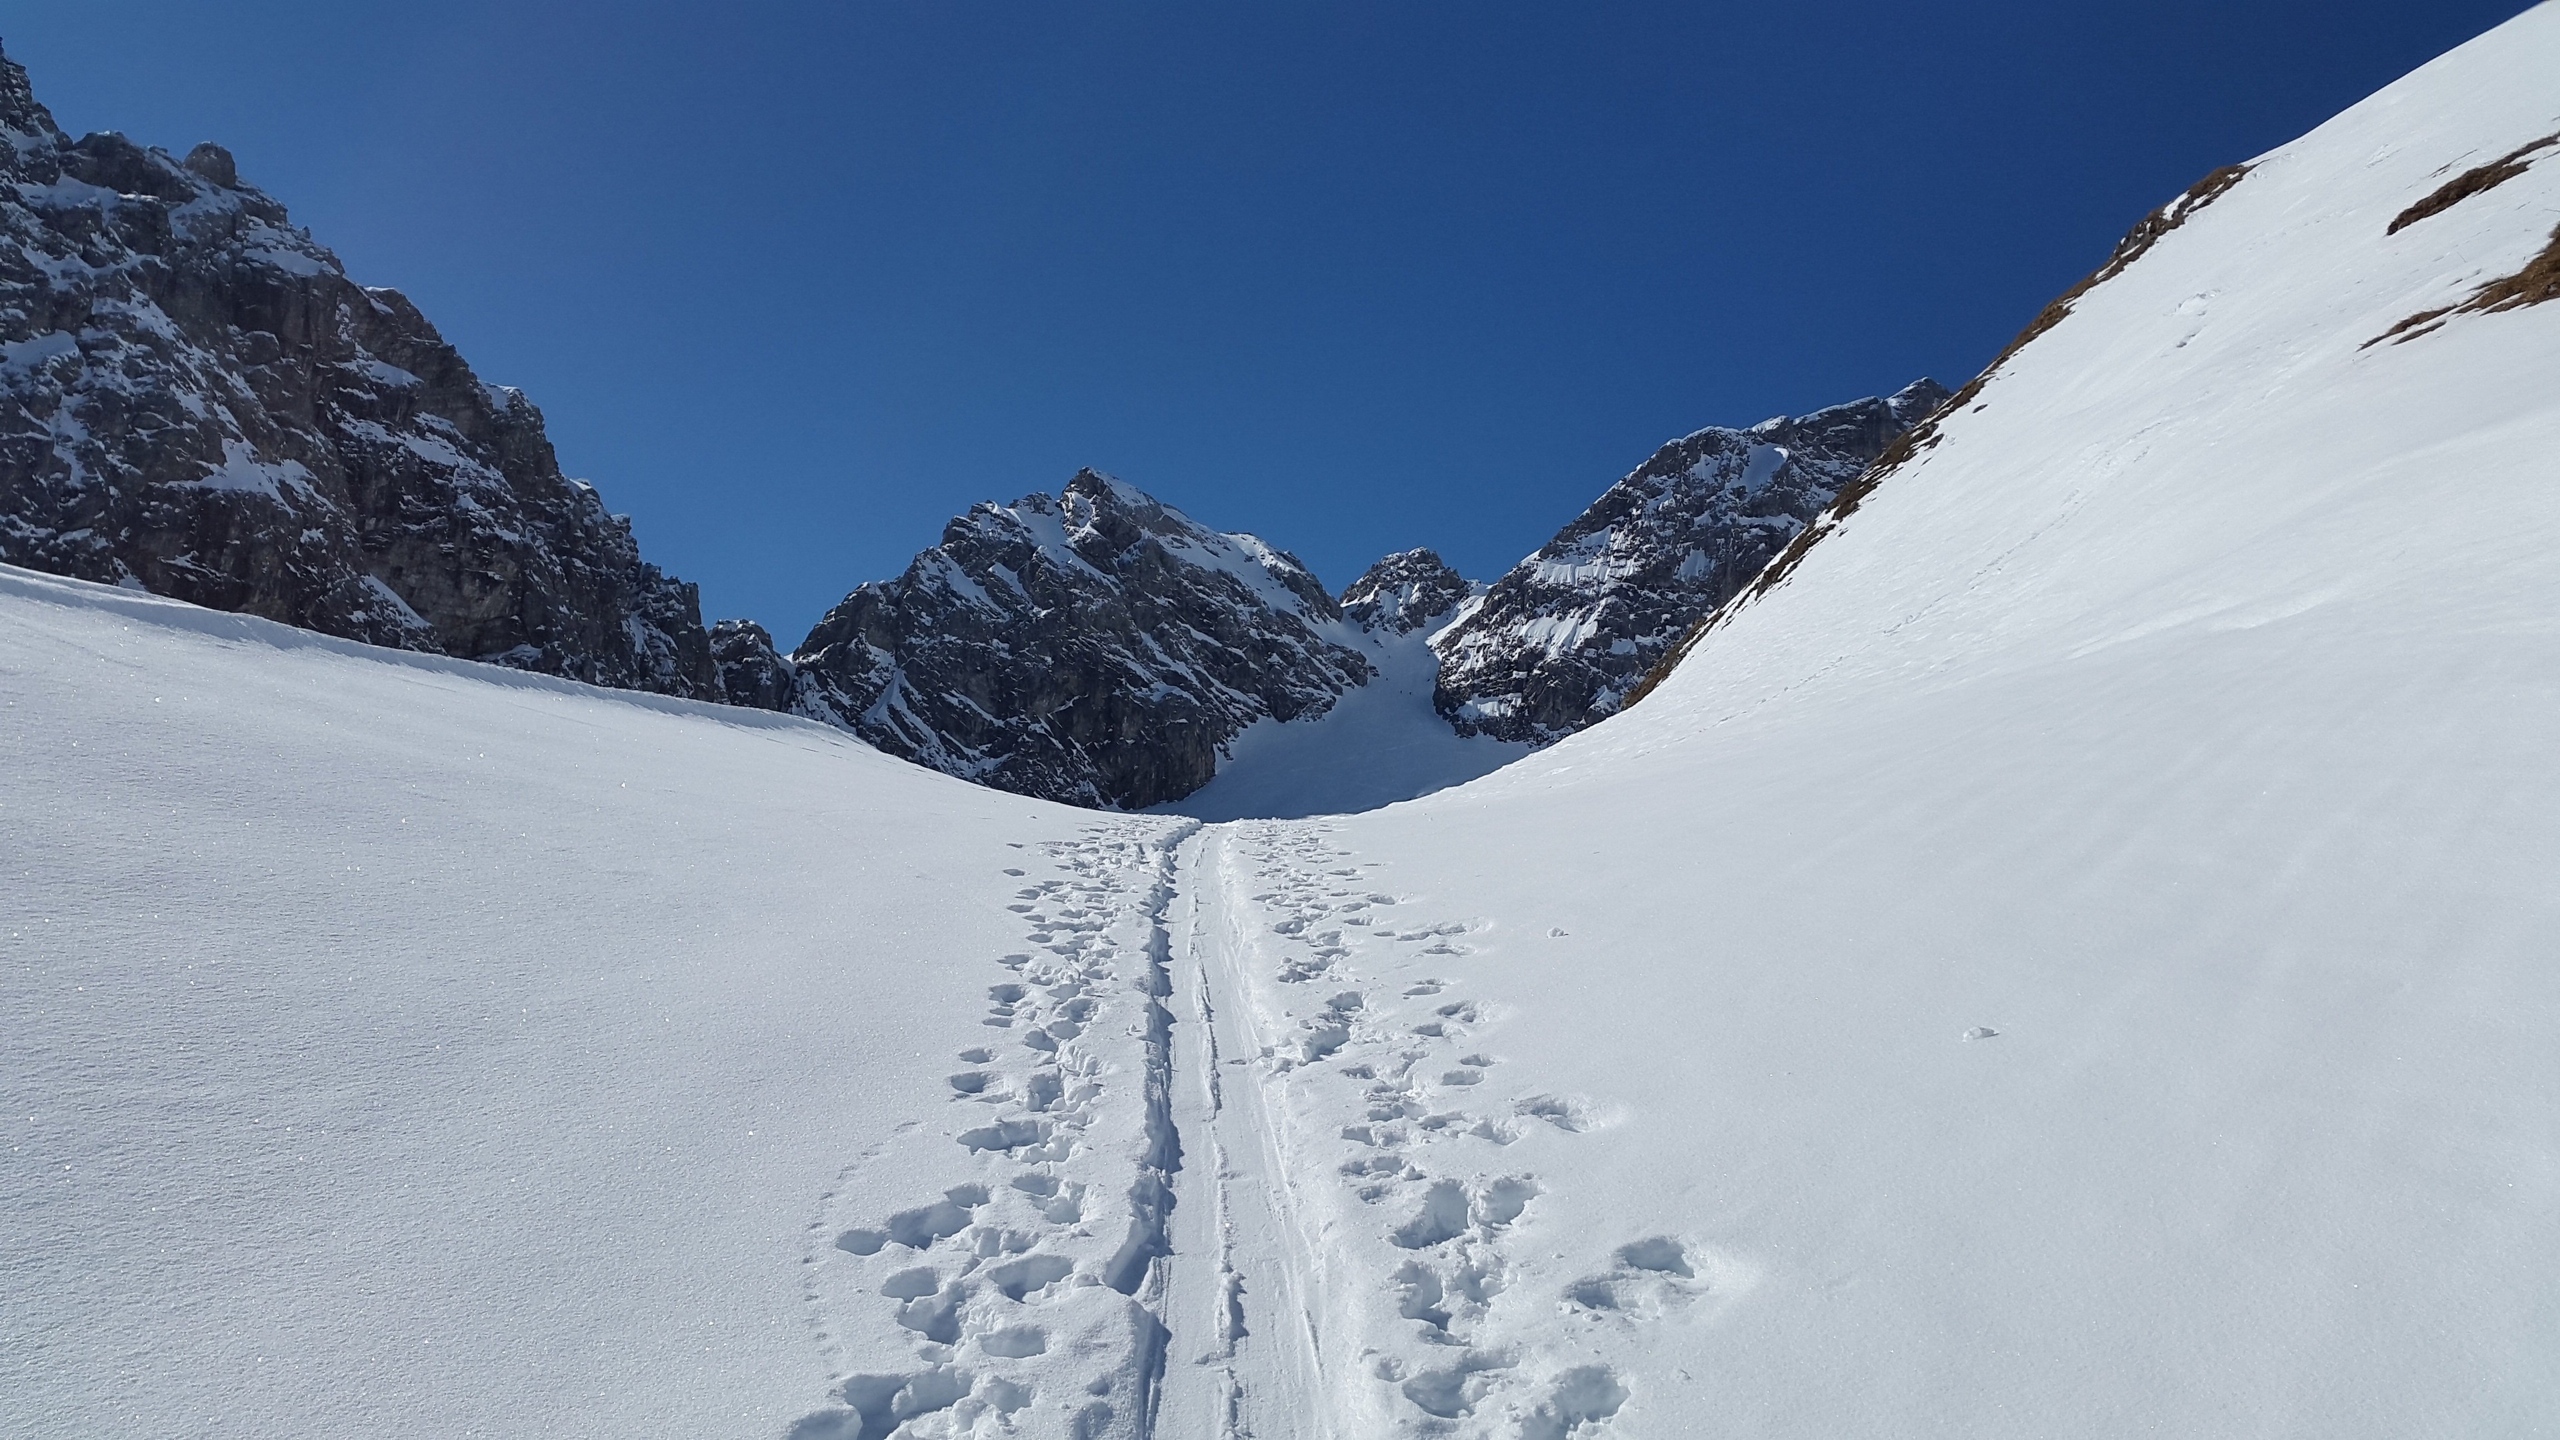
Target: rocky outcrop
[1404, 592]
[1559, 641]
[1098, 648]
[195, 399]
[752, 673]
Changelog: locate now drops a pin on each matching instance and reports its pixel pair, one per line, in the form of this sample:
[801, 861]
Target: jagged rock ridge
[196, 400]
[1558, 642]
[1098, 647]
[1404, 592]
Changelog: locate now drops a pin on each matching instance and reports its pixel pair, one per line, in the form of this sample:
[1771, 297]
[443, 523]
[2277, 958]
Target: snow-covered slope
[2075, 957]
[399, 1046]
[1379, 744]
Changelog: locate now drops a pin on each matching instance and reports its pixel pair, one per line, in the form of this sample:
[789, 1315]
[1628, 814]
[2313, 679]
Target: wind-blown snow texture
[196, 400]
[2073, 958]
[1562, 640]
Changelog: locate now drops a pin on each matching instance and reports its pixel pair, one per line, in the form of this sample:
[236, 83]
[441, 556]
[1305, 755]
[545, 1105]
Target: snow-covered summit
[210, 409]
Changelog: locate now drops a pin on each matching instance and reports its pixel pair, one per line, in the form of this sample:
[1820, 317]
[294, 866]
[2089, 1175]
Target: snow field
[2076, 955]
[404, 1046]
[1379, 743]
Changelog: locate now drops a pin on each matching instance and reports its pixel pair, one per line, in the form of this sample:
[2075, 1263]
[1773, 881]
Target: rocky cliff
[196, 400]
[1559, 641]
[1097, 647]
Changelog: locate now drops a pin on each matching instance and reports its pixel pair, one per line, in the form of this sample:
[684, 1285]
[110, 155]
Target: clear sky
[795, 283]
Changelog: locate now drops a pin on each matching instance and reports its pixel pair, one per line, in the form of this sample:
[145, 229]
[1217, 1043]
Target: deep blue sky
[796, 282]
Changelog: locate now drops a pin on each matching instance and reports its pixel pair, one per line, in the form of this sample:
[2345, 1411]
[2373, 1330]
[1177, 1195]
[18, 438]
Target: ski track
[1413, 1172]
[1230, 1164]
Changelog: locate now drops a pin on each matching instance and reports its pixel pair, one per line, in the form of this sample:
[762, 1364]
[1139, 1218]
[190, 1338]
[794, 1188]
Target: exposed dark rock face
[196, 400]
[1559, 641]
[752, 672]
[1404, 592]
[1097, 648]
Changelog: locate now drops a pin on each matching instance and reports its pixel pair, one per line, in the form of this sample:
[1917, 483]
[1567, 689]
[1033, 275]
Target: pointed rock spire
[19, 109]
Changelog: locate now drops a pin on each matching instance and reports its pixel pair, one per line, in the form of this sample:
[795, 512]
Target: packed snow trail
[1242, 1358]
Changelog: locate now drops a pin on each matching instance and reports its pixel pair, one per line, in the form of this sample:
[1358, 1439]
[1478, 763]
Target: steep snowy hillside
[201, 404]
[1562, 640]
[2075, 958]
[1098, 648]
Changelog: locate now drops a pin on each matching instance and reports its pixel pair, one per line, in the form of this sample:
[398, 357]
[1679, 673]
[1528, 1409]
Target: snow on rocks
[1404, 592]
[1562, 640]
[212, 410]
[1098, 647]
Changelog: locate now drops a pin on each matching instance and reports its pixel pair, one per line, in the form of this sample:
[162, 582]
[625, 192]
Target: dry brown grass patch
[2472, 182]
[2537, 282]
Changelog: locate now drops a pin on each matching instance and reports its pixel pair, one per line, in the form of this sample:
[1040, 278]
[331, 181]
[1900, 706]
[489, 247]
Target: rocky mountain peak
[1098, 647]
[1560, 640]
[1404, 592]
[213, 163]
[20, 111]
[210, 409]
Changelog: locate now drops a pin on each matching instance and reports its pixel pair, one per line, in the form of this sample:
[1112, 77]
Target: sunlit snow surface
[2082, 957]
[1378, 744]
